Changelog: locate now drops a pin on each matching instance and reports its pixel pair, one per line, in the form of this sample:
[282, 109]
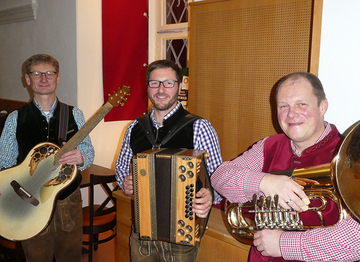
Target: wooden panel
[124, 208]
[122, 254]
[217, 243]
[239, 49]
[124, 205]
[124, 231]
[213, 249]
[11, 105]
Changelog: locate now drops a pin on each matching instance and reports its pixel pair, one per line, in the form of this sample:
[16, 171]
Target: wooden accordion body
[165, 182]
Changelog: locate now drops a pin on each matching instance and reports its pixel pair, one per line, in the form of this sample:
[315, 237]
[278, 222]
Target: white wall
[71, 32]
[107, 136]
[339, 67]
[53, 32]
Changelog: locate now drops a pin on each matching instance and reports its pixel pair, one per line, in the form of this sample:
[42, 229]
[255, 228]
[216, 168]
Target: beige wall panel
[238, 51]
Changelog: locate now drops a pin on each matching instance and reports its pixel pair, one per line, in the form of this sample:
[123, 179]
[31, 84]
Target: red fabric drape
[124, 39]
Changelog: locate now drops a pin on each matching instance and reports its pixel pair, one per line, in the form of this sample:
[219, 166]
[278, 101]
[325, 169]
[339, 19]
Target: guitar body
[29, 192]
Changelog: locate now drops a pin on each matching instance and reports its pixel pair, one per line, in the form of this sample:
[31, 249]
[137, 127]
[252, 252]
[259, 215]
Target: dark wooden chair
[99, 218]
[11, 251]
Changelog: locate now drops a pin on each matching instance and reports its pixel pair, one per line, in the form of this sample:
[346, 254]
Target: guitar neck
[83, 132]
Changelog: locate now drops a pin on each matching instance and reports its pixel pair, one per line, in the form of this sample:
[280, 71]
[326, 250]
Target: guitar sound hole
[43, 150]
[67, 171]
[61, 177]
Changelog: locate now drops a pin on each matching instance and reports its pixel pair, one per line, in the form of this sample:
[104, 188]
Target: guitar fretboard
[83, 132]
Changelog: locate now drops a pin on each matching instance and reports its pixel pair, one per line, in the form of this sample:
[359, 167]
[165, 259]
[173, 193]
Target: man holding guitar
[40, 121]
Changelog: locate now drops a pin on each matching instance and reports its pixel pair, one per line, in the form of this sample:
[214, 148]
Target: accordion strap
[207, 178]
[146, 125]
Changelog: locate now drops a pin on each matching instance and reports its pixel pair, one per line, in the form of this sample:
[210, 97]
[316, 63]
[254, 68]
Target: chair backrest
[103, 181]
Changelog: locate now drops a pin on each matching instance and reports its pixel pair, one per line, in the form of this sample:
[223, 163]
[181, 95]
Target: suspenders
[145, 123]
[63, 122]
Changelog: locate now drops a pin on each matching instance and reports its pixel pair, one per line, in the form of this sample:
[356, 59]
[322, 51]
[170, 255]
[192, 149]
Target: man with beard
[164, 79]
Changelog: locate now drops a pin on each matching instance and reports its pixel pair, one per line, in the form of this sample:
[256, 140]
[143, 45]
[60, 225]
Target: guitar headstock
[120, 96]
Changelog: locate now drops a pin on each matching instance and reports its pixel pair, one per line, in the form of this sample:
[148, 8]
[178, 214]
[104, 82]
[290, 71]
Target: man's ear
[27, 79]
[324, 106]
[180, 86]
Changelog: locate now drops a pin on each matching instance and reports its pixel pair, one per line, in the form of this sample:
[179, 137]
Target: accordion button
[190, 174]
[181, 232]
[181, 223]
[188, 229]
[182, 178]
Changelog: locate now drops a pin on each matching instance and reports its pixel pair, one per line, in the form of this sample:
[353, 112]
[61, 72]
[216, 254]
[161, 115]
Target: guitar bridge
[24, 194]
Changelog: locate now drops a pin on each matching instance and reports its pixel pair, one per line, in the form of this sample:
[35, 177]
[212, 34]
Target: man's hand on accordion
[202, 203]
[128, 184]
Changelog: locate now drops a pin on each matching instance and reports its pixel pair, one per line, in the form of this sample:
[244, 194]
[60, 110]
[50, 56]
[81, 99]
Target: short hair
[313, 80]
[164, 64]
[41, 59]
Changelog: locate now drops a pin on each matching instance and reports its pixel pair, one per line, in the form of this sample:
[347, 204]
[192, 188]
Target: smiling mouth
[161, 97]
[294, 124]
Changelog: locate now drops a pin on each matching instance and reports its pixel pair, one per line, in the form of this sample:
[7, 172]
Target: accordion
[165, 182]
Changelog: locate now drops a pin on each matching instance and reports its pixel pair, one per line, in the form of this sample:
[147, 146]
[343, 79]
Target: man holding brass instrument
[164, 80]
[307, 141]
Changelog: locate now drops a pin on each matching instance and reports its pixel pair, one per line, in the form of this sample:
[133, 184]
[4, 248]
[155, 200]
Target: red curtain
[125, 43]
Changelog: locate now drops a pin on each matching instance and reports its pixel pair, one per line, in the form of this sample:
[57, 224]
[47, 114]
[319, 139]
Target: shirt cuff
[252, 183]
[290, 245]
[217, 198]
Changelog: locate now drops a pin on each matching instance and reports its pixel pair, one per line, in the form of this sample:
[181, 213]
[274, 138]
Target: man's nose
[43, 77]
[292, 112]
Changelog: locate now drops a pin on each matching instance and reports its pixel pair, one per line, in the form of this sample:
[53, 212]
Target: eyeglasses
[166, 83]
[48, 74]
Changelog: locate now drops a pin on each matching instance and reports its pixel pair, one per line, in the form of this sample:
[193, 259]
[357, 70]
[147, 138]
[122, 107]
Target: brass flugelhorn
[338, 181]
